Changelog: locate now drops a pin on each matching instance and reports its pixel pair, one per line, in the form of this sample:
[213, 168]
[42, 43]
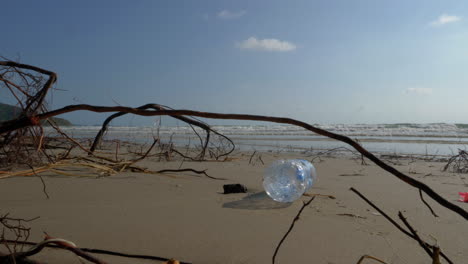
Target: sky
[319, 61]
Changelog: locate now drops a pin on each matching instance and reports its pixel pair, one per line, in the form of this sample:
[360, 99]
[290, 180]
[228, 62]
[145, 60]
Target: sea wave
[371, 130]
[440, 138]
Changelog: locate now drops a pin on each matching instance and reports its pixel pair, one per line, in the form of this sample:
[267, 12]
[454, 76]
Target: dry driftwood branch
[207, 141]
[155, 141]
[36, 101]
[457, 163]
[25, 145]
[183, 155]
[76, 143]
[435, 255]
[258, 158]
[16, 228]
[318, 155]
[26, 121]
[416, 237]
[61, 243]
[157, 107]
[5, 218]
[423, 244]
[72, 247]
[304, 205]
[101, 251]
[8, 259]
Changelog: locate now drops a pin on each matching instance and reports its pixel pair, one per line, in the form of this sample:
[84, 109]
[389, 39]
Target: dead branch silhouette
[61, 243]
[188, 120]
[457, 163]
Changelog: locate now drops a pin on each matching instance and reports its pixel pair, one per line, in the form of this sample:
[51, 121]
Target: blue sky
[349, 61]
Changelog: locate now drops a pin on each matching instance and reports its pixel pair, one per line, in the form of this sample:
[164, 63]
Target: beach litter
[463, 197]
[234, 188]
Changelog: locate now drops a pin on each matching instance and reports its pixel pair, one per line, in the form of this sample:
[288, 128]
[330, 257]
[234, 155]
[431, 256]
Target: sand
[185, 216]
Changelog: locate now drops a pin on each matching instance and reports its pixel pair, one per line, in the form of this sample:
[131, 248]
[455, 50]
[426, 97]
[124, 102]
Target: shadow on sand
[256, 201]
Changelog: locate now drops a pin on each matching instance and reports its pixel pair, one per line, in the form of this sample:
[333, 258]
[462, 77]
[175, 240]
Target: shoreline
[270, 138]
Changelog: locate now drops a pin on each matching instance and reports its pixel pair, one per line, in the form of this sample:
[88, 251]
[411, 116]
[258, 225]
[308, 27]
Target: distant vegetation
[9, 112]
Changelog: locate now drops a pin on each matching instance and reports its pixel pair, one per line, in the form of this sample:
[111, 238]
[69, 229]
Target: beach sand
[185, 215]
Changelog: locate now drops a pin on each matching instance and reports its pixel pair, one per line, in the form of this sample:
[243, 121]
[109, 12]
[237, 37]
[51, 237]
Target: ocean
[406, 138]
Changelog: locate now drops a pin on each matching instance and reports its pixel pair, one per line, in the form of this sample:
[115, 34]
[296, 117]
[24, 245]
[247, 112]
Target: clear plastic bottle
[287, 180]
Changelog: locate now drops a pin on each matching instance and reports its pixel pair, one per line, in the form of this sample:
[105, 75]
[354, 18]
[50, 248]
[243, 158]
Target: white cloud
[253, 43]
[226, 14]
[419, 91]
[445, 19]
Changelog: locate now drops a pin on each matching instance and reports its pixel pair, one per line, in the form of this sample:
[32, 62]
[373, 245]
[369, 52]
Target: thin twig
[370, 257]
[318, 194]
[253, 154]
[415, 234]
[183, 155]
[44, 190]
[117, 146]
[192, 170]
[260, 158]
[428, 206]
[291, 227]
[155, 141]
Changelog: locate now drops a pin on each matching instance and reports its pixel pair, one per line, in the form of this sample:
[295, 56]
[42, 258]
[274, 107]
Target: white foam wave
[377, 130]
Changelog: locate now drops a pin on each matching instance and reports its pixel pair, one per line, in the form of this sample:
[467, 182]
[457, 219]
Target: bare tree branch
[157, 107]
[60, 243]
[415, 235]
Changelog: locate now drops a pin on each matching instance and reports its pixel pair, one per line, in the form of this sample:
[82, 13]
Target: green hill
[8, 112]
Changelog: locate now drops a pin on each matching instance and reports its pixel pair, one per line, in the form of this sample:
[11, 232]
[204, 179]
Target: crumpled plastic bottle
[287, 180]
